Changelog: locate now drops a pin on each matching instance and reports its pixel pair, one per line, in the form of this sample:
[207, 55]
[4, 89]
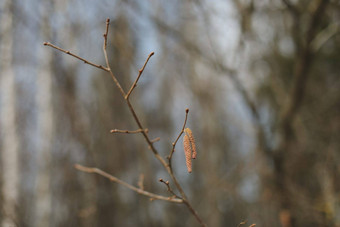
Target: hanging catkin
[192, 142]
[187, 152]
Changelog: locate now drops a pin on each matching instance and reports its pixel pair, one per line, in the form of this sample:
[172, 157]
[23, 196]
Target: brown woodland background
[261, 80]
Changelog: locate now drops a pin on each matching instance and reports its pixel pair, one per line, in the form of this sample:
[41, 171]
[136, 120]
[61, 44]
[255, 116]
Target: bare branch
[115, 179]
[167, 184]
[139, 74]
[105, 34]
[156, 139]
[141, 181]
[179, 136]
[242, 223]
[140, 130]
[76, 56]
[107, 59]
[128, 131]
[105, 44]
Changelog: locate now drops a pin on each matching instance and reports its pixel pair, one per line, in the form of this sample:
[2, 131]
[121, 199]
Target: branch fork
[167, 165]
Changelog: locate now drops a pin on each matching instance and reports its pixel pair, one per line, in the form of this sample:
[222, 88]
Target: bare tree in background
[10, 141]
[261, 81]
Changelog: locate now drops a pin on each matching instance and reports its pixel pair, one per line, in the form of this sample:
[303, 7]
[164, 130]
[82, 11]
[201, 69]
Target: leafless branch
[115, 179]
[107, 59]
[242, 223]
[139, 74]
[156, 139]
[167, 184]
[76, 56]
[141, 181]
[128, 131]
[141, 130]
[179, 136]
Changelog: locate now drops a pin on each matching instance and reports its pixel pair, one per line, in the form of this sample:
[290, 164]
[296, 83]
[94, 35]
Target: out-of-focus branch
[302, 68]
[129, 186]
[325, 35]
[231, 73]
[128, 131]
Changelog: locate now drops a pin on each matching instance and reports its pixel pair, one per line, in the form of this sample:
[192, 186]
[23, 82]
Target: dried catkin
[192, 142]
[187, 152]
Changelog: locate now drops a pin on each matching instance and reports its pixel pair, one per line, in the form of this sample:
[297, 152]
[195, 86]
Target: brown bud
[187, 152]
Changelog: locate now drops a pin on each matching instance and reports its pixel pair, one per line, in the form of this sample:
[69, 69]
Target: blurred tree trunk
[9, 134]
[46, 125]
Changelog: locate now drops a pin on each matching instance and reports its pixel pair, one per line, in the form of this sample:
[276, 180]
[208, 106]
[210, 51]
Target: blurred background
[261, 80]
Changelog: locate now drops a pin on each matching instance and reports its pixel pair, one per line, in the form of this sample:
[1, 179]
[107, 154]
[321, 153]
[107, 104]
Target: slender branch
[141, 129]
[106, 32]
[128, 131]
[185, 201]
[76, 56]
[167, 184]
[194, 212]
[141, 181]
[179, 136]
[133, 188]
[139, 74]
[242, 223]
[156, 139]
[107, 59]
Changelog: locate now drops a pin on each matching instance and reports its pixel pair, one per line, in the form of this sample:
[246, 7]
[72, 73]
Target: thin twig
[139, 74]
[156, 140]
[115, 179]
[107, 59]
[76, 56]
[167, 184]
[179, 136]
[141, 181]
[242, 223]
[141, 129]
[128, 131]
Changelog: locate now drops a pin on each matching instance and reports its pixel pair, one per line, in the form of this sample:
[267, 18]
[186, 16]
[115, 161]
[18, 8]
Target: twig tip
[187, 110]
[45, 43]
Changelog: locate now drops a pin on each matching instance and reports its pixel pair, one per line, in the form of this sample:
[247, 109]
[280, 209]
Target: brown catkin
[192, 142]
[187, 152]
